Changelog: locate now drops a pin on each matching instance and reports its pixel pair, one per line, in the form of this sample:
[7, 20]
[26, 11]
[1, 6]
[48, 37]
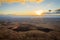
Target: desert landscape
[29, 19]
[30, 29]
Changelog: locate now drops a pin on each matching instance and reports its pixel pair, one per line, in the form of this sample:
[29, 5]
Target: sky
[27, 7]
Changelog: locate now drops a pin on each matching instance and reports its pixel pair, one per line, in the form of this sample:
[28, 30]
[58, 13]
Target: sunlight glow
[39, 12]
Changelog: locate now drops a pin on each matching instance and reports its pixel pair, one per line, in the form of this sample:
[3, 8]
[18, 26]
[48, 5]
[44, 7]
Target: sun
[39, 12]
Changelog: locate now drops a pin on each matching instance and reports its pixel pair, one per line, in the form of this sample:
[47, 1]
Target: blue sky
[28, 6]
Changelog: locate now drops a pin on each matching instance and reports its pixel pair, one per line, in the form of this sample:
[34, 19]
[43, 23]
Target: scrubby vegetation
[20, 31]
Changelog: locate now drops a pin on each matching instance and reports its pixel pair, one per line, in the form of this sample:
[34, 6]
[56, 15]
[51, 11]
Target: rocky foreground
[27, 32]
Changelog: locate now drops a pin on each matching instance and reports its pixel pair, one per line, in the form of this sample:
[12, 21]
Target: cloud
[0, 2]
[13, 1]
[32, 0]
[21, 1]
[39, 1]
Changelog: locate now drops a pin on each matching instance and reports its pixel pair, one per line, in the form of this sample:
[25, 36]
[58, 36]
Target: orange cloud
[21, 1]
[12, 1]
[39, 1]
[32, 0]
